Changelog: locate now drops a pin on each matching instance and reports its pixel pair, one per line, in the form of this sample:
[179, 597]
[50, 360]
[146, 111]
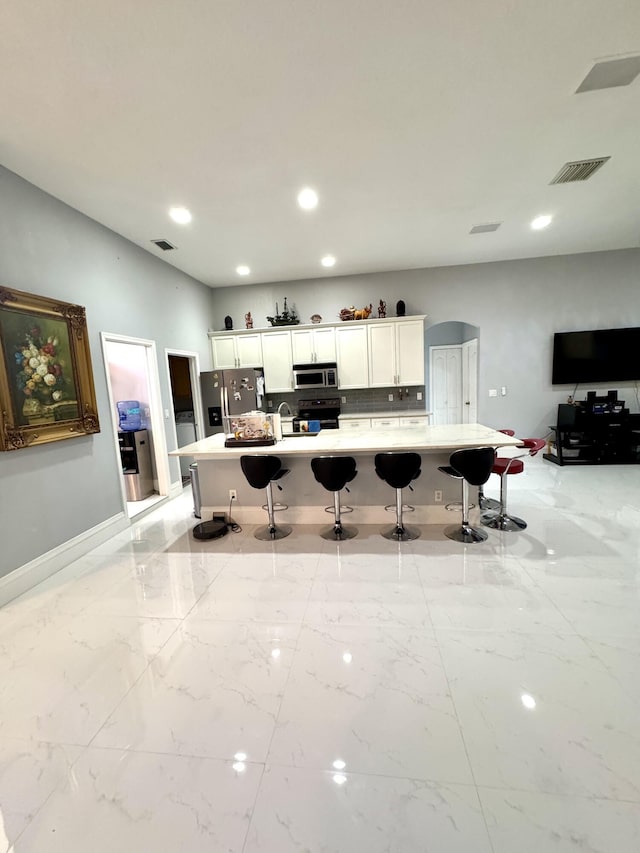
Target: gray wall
[53, 492]
[517, 306]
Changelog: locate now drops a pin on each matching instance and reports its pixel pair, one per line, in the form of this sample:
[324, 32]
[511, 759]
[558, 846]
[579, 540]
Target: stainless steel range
[324, 411]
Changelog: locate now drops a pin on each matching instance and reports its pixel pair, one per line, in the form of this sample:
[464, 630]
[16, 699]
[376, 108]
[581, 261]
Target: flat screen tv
[601, 355]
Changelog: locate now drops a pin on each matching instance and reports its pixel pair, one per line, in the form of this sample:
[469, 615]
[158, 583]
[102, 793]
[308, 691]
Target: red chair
[504, 466]
[483, 501]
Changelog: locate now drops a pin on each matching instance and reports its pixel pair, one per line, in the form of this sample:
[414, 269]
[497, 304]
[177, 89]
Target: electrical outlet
[233, 495]
[270, 404]
[503, 390]
[419, 396]
[437, 496]
[343, 399]
[390, 398]
[493, 392]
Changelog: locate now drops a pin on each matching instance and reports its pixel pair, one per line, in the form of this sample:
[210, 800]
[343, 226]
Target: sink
[299, 434]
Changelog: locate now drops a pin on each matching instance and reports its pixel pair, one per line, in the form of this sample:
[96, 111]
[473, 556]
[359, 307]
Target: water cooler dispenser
[135, 455]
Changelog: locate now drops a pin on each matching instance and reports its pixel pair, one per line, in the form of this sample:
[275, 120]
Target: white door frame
[155, 410]
[469, 382]
[194, 375]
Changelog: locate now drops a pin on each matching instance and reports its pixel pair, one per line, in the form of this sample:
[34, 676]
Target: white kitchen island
[219, 471]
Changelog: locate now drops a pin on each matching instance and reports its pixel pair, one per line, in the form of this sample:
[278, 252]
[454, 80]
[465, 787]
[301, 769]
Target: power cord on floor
[233, 526]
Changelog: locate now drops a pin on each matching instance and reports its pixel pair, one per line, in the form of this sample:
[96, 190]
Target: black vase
[228, 323]
[400, 308]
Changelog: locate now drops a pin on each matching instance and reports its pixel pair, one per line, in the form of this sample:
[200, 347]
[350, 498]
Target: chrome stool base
[400, 533]
[488, 503]
[269, 533]
[339, 532]
[501, 521]
[465, 534]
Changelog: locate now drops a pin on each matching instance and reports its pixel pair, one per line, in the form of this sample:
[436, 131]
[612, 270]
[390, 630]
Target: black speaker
[566, 415]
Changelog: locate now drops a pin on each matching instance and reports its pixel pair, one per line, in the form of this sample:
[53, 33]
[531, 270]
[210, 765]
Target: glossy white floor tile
[165, 693]
[336, 811]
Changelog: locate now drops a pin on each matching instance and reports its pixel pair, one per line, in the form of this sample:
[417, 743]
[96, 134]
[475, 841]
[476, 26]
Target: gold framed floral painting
[46, 380]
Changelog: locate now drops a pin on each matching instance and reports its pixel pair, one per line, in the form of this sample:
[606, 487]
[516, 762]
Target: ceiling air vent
[578, 171]
[165, 245]
[485, 229]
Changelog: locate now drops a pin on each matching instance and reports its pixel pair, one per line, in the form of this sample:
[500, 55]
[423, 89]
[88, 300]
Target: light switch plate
[493, 392]
[419, 396]
[390, 398]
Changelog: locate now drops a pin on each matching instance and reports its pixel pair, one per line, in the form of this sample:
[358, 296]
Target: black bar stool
[334, 472]
[473, 467]
[398, 470]
[261, 472]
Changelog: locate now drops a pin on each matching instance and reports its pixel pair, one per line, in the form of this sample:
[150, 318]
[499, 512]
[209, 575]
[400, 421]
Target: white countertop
[426, 439]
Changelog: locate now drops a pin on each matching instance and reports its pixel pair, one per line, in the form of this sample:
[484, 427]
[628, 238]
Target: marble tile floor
[165, 694]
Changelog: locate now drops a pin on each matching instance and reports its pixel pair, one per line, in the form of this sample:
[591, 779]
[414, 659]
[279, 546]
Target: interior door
[470, 382]
[446, 384]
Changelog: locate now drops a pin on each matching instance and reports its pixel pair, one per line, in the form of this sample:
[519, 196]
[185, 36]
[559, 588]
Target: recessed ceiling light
[243, 269]
[328, 261]
[308, 198]
[541, 222]
[180, 215]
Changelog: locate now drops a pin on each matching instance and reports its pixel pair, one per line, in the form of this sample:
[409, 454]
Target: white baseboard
[27, 576]
[176, 489]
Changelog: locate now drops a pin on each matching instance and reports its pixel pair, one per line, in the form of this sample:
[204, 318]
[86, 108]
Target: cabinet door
[302, 346]
[382, 355]
[352, 356]
[385, 423]
[410, 352]
[324, 344]
[249, 350]
[353, 423]
[224, 352]
[276, 360]
[418, 421]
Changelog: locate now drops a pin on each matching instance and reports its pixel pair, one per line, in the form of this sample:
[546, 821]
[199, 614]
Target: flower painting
[46, 384]
[43, 368]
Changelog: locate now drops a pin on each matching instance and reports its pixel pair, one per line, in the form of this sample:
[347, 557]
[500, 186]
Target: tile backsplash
[360, 401]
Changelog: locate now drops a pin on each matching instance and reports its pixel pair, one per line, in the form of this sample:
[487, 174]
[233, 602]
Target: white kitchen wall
[517, 305]
[54, 492]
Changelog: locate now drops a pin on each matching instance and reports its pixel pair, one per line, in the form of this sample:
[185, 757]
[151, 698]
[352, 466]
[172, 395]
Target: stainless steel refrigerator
[230, 392]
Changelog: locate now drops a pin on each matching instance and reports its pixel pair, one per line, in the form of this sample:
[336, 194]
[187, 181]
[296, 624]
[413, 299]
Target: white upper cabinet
[396, 353]
[370, 354]
[277, 361]
[313, 346]
[382, 355]
[236, 351]
[352, 356]
[410, 352]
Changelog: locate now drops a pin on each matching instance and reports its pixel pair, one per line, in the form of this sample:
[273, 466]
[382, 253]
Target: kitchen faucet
[284, 403]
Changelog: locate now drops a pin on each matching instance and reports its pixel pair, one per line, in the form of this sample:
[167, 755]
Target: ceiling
[414, 120]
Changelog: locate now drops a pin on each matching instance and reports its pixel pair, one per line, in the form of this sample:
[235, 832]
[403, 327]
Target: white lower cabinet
[420, 420]
[385, 423]
[353, 423]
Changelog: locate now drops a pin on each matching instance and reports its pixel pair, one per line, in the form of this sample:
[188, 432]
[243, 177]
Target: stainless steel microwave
[315, 375]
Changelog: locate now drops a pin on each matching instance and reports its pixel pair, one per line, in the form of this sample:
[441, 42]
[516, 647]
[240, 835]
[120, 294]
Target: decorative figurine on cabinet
[287, 318]
[228, 323]
[400, 308]
[382, 309]
[248, 320]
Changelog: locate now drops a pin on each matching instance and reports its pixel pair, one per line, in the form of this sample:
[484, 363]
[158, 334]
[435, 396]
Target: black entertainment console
[595, 431]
